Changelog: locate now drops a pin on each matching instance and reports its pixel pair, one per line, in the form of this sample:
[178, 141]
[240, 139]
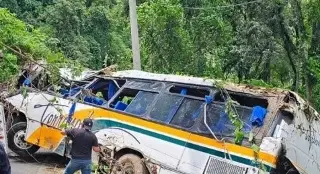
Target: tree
[20, 44]
[165, 44]
[271, 43]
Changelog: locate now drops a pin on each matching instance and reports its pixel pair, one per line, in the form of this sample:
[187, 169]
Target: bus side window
[188, 112]
[100, 92]
[220, 123]
[141, 103]
[214, 112]
[134, 101]
[165, 107]
[122, 101]
[67, 88]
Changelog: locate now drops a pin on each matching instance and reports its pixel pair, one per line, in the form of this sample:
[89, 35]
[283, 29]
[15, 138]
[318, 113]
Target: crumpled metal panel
[220, 166]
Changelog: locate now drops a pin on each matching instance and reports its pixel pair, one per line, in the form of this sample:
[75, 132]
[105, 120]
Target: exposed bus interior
[100, 91]
[182, 106]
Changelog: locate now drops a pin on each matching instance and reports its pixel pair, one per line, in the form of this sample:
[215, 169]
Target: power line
[217, 7]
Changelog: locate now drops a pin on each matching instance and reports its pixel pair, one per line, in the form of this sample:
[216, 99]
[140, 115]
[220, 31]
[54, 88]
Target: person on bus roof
[83, 141]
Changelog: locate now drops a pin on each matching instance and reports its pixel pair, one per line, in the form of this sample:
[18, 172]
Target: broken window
[141, 103]
[166, 106]
[134, 101]
[250, 109]
[243, 99]
[196, 92]
[24, 75]
[123, 99]
[213, 115]
[67, 88]
[181, 110]
[100, 91]
[220, 123]
[187, 113]
[149, 86]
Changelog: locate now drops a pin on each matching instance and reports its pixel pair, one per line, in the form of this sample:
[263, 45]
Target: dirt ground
[41, 163]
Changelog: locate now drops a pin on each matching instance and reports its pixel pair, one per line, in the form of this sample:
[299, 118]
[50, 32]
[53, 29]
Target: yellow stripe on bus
[53, 135]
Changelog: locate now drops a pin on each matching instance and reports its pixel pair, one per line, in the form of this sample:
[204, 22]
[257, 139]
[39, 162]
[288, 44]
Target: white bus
[156, 123]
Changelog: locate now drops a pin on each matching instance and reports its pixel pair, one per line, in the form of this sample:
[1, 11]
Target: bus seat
[93, 100]
[120, 106]
[111, 90]
[27, 82]
[66, 93]
[220, 125]
[74, 90]
[183, 91]
[257, 116]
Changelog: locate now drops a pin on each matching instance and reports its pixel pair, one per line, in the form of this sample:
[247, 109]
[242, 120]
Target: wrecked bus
[156, 123]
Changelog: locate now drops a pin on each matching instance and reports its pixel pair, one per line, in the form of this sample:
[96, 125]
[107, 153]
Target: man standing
[5, 167]
[83, 141]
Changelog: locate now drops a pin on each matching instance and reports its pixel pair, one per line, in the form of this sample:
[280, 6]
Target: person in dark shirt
[83, 142]
[5, 167]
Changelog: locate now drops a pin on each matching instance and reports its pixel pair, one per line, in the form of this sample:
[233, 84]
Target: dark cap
[87, 123]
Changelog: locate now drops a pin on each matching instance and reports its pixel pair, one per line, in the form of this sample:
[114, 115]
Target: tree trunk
[302, 45]
[290, 49]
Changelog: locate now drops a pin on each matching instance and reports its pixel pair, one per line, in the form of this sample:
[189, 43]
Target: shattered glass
[166, 107]
[213, 116]
[141, 103]
[220, 123]
[188, 112]
[227, 128]
[153, 86]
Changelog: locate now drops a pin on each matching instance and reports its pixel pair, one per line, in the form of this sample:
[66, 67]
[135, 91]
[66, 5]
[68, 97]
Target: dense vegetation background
[273, 43]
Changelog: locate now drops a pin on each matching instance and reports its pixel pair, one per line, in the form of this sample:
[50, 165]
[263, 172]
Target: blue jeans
[77, 164]
[5, 167]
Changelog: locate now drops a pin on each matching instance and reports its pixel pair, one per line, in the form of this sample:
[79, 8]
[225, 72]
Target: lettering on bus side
[56, 119]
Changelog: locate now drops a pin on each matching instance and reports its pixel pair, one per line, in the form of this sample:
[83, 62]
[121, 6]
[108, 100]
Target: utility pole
[134, 35]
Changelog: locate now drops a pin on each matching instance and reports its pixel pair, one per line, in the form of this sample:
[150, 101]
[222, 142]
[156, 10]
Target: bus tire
[130, 163]
[16, 143]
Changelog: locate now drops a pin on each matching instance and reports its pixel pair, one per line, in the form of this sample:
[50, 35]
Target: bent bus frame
[162, 123]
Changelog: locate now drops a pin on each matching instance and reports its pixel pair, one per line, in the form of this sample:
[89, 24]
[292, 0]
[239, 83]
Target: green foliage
[166, 45]
[255, 148]
[235, 120]
[8, 66]
[260, 82]
[99, 94]
[268, 43]
[92, 32]
[15, 32]
[22, 43]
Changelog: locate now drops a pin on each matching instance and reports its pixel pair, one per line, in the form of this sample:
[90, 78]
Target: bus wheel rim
[19, 141]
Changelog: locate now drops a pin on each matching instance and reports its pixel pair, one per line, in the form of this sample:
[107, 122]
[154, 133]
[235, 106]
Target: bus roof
[136, 74]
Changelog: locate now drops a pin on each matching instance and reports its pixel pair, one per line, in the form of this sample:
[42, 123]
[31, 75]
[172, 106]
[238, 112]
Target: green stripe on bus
[101, 124]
